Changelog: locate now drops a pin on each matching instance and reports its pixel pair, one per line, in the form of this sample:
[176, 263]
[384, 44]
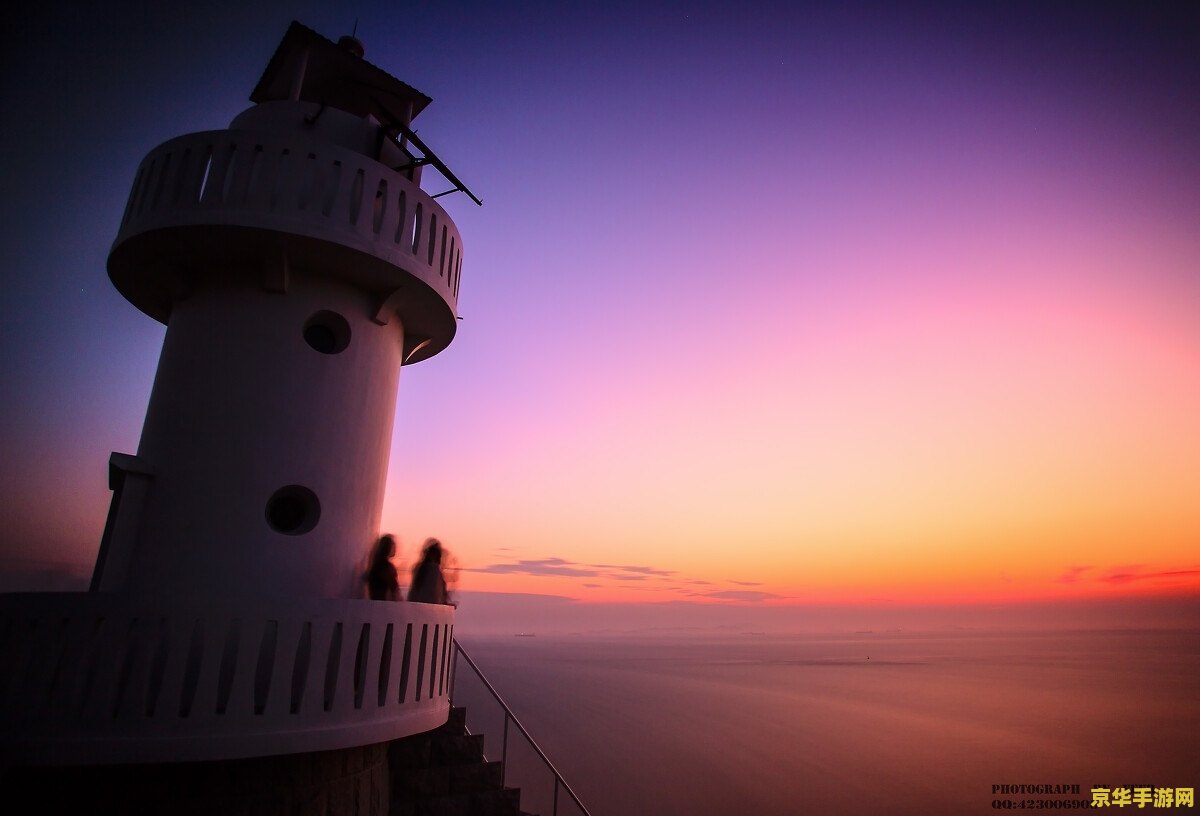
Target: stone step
[476, 777]
[415, 751]
[436, 748]
[502, 802]
[456, 723]
[441, 780]
[444, 773]
[451, 749]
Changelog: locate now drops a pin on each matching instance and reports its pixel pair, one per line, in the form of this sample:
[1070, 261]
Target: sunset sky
[767, 304]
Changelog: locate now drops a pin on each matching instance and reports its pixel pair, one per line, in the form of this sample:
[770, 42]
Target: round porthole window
[293, 510]
[327, 332]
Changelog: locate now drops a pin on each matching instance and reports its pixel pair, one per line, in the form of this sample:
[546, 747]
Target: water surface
[863, 723]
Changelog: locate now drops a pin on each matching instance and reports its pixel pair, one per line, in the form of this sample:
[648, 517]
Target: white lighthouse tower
[297, 265]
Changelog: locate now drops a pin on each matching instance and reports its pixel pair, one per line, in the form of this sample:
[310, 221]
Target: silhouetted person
[382, 583]
[428, 583]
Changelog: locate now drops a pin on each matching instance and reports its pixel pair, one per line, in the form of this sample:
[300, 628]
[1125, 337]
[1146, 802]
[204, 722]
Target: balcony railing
[301, 186]
[110, 678]
[209, 200]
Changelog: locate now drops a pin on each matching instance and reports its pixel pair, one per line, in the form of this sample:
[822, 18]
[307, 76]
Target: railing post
[504, 749]
[556, 796]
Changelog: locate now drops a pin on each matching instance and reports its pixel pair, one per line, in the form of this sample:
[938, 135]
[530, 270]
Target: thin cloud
[573, 569]
[739, 595]
[637, 569]
[1073, 575]
[1122, 574]
[540, 566]
[1130, 574]
[629, 575]
[1175, 573]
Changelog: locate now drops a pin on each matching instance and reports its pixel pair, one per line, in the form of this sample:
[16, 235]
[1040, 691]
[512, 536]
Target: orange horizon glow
[1131, 583]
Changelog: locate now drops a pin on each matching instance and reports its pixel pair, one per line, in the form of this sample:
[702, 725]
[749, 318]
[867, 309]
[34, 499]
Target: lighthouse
[298, 265]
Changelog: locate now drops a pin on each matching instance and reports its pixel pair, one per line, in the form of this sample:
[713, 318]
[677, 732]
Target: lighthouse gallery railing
[105, 677]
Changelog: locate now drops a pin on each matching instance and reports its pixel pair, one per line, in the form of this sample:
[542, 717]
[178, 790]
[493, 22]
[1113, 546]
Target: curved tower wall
[242, 408]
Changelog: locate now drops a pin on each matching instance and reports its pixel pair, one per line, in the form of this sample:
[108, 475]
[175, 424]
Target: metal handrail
[559, 782]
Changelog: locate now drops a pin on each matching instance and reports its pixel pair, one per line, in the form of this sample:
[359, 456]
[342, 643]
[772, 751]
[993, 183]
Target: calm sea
[858, 724]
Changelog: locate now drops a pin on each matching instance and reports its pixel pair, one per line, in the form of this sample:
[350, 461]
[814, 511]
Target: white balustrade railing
[109, 678]
[301, 187]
